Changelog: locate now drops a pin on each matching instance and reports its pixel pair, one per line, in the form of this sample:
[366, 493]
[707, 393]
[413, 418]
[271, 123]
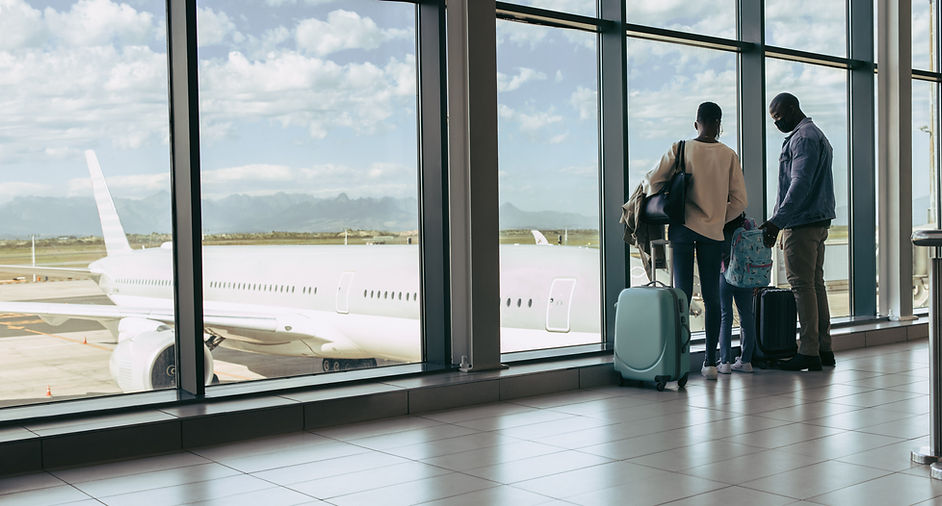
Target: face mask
[783, 126]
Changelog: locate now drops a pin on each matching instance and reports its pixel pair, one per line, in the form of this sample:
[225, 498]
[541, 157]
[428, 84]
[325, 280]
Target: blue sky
[319, 96]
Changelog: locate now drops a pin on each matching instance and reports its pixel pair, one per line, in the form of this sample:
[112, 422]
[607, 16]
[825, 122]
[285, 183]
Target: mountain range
[76, 216]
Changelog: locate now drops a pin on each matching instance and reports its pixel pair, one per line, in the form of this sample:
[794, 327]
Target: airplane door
[560, 304]
[343, 293]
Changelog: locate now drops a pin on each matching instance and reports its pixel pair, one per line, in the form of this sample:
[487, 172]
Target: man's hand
[770, 233]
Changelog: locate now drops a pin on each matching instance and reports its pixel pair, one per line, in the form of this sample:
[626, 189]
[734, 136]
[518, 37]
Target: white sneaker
[708, 371]
[723, 368]
[739, 366]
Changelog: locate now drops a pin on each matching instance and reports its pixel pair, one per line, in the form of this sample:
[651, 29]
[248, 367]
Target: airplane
[346, 305]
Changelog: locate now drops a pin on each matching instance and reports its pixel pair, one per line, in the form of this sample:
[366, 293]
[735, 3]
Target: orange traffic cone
[84, 340]
[48, 391]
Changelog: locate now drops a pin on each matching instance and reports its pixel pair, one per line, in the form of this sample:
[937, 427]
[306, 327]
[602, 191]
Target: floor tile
[906, 428]
[839, 445]
[376, 428]
[590, 479]
[785, 435]
[875, 398]
[535, 467]
[491, 456]
[412, 437]
[695, 455]
[330, 467]
[752, 466]
[643, 445]
[128, 467]
[44, 496]
[733, 496]
[503, 494]
[322, 450]
[539, 431]
[275, 496]
[368, 479]
[451, 445]
[155, 479]
[895, 457]
[854, 420]
[515, 420]
[416, 492]
[887, 490]
[191, 492]
[813, 480]
[26, 482]
[480, 411]
[654, 490]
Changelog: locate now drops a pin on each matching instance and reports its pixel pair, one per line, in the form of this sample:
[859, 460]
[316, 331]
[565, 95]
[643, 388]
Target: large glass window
[925, 180]
[807, 25]
[84, 101]
[582, 7]
[309, 181]
[549, 186]
[822, 93]
[708, 18]
[666, 84]
[925, 34]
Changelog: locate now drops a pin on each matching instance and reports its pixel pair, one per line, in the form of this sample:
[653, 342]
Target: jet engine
[147, 361]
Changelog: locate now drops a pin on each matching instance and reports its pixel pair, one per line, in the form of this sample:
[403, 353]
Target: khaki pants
[804, 267]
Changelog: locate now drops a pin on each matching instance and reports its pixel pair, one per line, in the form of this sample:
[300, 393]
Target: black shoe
[827, 358]
[799, 362]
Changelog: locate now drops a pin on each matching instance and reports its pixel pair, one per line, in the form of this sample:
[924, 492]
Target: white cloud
[560, 138]
[98, 22]
[529, 123]
[136, 185]
[294, 90]
[343, 30]
[20, 24]
[13, 189]
[215, 27]
[585, 101]
[524, 74]
[280, 3]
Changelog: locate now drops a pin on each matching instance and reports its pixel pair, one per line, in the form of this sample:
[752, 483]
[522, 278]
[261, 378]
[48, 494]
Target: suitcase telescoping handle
[663, 244]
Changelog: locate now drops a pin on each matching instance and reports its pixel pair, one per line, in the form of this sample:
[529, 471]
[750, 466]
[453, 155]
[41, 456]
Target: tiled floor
[841, 436]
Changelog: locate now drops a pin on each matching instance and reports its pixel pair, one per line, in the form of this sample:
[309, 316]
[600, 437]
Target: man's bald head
[786, 112]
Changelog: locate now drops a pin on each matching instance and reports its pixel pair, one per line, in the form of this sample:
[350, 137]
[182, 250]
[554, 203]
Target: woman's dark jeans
[684, 243]
[747, 321]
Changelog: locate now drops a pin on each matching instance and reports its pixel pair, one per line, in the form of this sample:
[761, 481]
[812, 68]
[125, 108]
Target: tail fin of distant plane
[539, 238]
[111, 229]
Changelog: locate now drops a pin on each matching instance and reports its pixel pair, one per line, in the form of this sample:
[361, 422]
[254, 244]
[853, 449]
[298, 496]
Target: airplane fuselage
[338, 301]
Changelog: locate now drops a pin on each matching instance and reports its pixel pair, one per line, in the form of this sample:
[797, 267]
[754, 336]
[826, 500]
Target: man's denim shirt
[805, 183]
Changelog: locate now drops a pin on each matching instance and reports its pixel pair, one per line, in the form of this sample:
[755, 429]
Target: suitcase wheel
[660, 386]
[661, 382]
[683, 380]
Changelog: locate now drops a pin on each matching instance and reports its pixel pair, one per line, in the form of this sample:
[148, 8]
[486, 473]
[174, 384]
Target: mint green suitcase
[652, 335]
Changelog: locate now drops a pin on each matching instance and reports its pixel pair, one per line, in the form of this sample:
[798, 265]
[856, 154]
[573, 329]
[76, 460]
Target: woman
[717, 194]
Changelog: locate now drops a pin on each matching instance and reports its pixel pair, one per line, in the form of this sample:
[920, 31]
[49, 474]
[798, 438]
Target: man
[804, 209]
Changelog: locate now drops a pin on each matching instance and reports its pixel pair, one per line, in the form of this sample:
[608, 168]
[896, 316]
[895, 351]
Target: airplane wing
[286, 327]
[60, 272]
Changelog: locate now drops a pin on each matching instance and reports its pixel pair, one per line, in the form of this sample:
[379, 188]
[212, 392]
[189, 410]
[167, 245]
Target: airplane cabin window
[519, 302]
[530, 303]
[508, 302]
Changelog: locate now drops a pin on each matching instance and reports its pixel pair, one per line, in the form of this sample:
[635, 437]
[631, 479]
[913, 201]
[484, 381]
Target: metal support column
[894, 124]
[753, 110]
[613, 154]
[932, 454]
[473, 205]
[862, 173]
[185, 187]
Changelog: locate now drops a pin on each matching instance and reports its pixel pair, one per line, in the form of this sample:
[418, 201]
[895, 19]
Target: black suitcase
[776, 325]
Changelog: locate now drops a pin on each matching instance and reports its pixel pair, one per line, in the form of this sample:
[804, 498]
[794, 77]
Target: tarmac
[41, 363]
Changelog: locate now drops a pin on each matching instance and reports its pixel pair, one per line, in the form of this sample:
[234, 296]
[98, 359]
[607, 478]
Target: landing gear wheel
[215, 380]
[660, 386]
[164, 373]
[682, 381]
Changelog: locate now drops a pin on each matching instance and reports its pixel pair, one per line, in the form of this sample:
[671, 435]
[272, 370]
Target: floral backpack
[750, 262]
